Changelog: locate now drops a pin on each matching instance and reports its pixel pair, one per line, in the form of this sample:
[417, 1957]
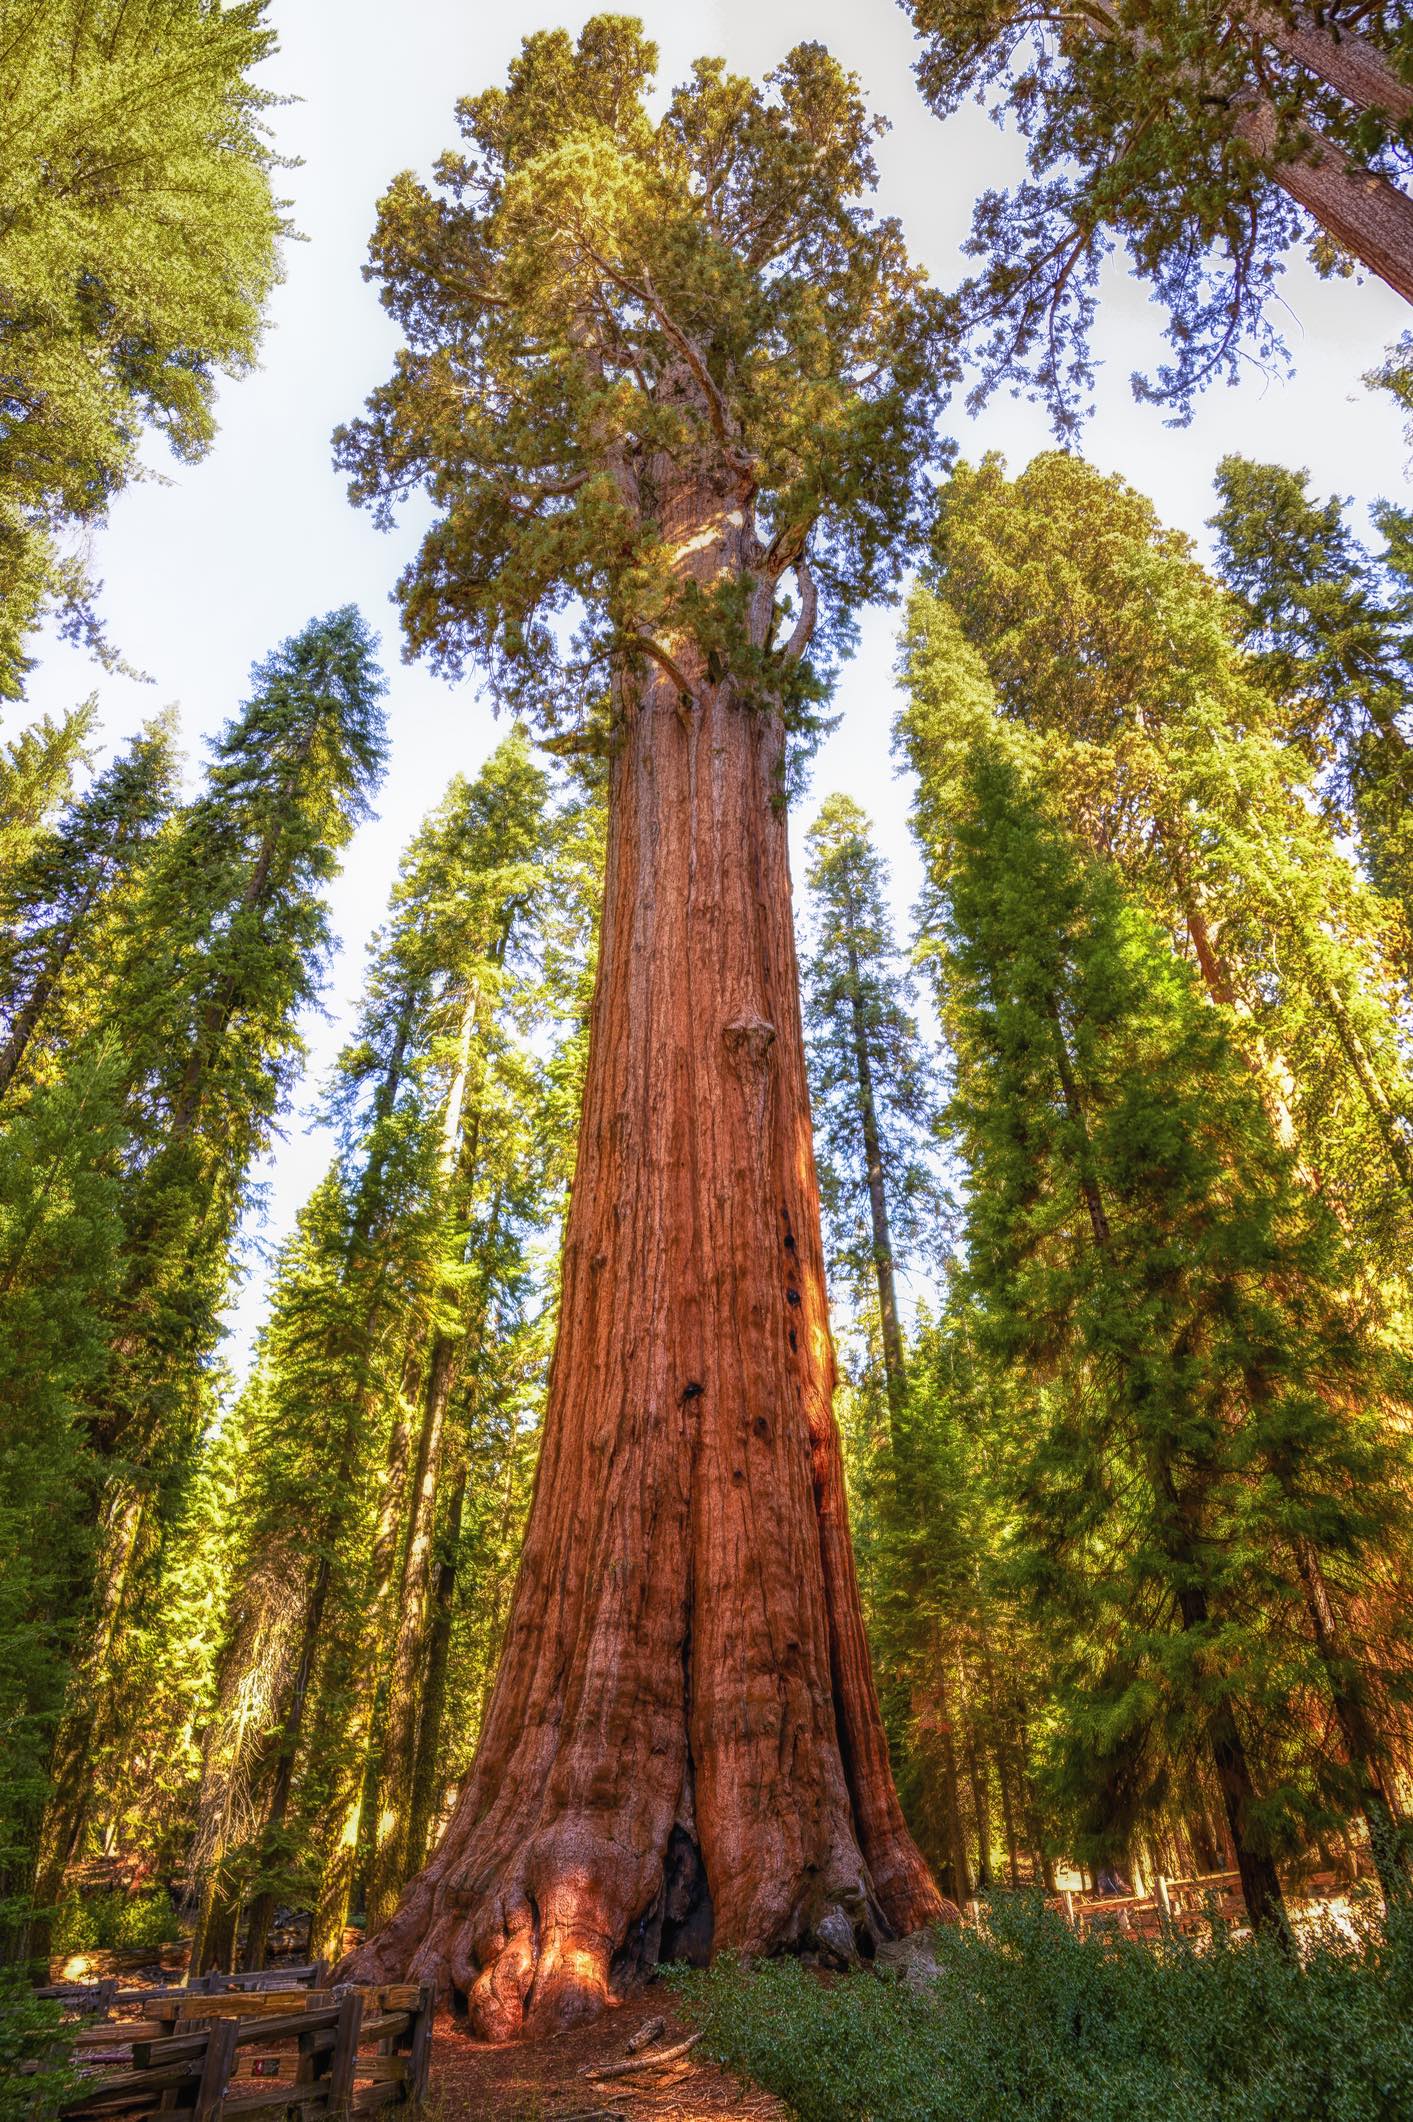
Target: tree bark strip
[1345, 62]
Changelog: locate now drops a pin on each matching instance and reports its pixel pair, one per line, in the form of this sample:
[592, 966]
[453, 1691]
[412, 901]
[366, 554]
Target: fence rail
[102, 1997]
[188, 2053]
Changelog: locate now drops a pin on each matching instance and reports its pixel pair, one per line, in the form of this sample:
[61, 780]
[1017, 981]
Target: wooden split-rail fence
[1174, 1904]
[216, 2055]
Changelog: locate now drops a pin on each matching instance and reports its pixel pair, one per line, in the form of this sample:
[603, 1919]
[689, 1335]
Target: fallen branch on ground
[620, 2070]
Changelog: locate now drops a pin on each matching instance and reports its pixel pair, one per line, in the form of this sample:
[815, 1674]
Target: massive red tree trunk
[683, 1748]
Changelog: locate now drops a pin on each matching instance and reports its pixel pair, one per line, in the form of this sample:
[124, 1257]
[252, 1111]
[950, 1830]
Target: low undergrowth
[36, 2074]
[115, 1920]
[1031, 2024]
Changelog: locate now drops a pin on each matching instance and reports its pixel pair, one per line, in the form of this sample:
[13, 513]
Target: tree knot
[749, 1036]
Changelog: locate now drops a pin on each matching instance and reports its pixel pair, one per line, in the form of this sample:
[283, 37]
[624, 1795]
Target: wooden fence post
[1165, 1906]
[350, 2023]
[216, 2067]
[419, 2055]
[1067, 1902]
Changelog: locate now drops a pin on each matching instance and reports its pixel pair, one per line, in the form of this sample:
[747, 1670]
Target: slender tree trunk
[894, 1369]
[684, 1738]
[1375, 1096]
[400, 1743]
[22, 1031]
[952, 1799]
[25, 1024]
[1260, 1882]
[1004, 1776]
[981, 1802]
[214, 1946]
[422, 1800]
[392, 1863]
[336, 1881]
[1358, 1728]
[262, 1907]
[67, 1806]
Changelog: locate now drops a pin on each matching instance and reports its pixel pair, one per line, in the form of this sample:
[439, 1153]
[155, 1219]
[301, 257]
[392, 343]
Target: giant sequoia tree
[1202, 137]
[654, 371]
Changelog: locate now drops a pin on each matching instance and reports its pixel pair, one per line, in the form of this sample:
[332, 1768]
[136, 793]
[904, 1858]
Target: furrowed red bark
[1366, 214]
[683, 1748]
[1353, 68]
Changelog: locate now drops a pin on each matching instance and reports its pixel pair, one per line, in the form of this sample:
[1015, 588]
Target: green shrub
[114, 1921]
[29, 2034]
[1031, 2024]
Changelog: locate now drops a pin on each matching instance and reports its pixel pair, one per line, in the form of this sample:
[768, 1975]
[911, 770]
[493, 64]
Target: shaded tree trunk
[893, 1359]
[356, 1736]
[684, 1744]
[400, 1746]
[263, 1904]
[1358, 1728]
[422, 1798]
[981, 1801]
[88, 1700]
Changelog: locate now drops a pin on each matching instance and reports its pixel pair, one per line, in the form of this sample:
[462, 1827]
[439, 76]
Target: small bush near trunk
[1031, 2024]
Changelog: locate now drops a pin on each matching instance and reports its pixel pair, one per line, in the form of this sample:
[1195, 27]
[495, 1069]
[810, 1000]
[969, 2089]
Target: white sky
[207, 572]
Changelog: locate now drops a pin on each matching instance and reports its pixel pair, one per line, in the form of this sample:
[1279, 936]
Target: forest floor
[554, 2080]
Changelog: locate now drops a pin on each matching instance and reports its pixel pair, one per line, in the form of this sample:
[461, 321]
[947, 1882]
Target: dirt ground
[552, 2081]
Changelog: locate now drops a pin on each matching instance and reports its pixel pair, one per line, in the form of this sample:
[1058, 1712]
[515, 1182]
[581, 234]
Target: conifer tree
[226, 944]
[382, 1302]
[61, 901]
[137, 248]
[60, 1229]
[1209, 1444]
[872, 1099]
[655, 369]
[483, 881]
[1099, 629]
[1199, 140]
[1330, 627]
[37, 770]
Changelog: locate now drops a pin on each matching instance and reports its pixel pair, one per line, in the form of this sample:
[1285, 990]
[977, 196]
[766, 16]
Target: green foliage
[115, 1921]
[872, 1092]
[603, 314]
[36, 2068]
[235, 901]
[66, 906]
[137, 248]
[60, 1229]
[37, 769]
[1329, 625]
[1104, 639]
[416, 1259]
[1394, 374]
[1027, 2023]
[1139, 123]
[155, 967]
